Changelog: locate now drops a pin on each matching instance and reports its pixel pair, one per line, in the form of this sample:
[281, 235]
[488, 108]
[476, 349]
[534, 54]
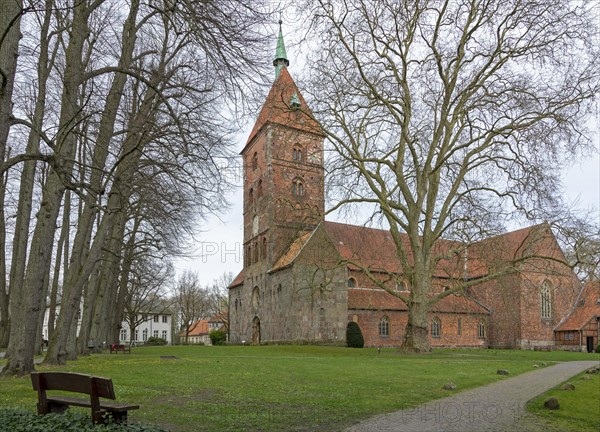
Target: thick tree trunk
[10, 31]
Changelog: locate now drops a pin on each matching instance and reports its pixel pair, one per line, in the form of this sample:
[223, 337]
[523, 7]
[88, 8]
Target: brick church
[304, 278]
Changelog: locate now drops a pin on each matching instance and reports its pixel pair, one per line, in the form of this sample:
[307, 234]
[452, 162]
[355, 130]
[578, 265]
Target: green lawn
[275, 388]
[579, 409]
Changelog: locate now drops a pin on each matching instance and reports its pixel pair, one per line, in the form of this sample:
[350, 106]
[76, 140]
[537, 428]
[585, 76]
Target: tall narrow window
[546, 300]
[297, 154]
[459, 325]
[255, 161]
[481, 329]
[436, 327]
[259, 188]
[264, 248]
[384, 326]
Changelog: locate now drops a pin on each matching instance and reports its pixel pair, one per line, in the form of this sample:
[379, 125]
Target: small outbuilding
[580, 330]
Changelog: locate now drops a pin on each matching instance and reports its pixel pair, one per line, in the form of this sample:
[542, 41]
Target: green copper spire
[280, 55]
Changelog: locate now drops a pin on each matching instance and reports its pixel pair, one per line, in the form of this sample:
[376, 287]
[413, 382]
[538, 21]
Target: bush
[598, 348]
[16, 420]
[354, 337]
[156, 341]
[218, 337]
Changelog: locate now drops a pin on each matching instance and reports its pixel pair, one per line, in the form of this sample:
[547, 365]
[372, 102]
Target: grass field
[579, 409]
[283, 388]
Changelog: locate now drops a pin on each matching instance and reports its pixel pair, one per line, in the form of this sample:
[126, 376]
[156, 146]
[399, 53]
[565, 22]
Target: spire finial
[280, 55]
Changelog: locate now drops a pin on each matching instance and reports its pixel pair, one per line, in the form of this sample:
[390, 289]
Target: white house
[158, 325]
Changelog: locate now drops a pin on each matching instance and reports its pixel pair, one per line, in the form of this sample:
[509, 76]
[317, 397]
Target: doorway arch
[256, 331]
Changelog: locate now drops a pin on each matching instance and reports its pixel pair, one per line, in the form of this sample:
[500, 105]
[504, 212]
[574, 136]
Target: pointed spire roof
[280, 59]
[285, 106]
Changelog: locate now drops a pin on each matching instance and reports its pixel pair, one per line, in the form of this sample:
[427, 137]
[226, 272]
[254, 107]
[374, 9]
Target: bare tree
[450, 118]
[190, 300]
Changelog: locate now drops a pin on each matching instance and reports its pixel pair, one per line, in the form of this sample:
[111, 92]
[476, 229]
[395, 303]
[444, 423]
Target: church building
[304, 278]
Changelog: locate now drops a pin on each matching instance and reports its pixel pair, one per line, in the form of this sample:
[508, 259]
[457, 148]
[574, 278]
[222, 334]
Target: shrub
[218, 337]
[354, 337]
[17, 420]
[598, 348]
[156, 341]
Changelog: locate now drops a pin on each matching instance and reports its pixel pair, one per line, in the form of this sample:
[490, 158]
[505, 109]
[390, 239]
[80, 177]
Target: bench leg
[120, 416]
[54, 407]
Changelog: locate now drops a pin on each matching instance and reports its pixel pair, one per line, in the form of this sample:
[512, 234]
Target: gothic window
[264, 248]
[459, 326]
[351, 283]
[251, 196]
[255, 252]
[297, 188]
[255, 298]
[401, 286]
[259, 189]
[384, 326]
[481, 329]
[546, 300]
[436, 327]
[297, 154]
[255, 161]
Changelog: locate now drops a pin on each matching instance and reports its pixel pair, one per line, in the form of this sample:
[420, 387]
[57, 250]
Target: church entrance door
[256, 331]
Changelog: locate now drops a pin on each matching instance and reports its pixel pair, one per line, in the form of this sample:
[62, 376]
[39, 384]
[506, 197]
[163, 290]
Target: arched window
[546, 300]
[384, 326]
[401, 286]
[351, 283]
[255, 161]
[297, 188]
[436, 327]
[481, 329]
[459, 327]
[259, 188]
[255, 298]
[264, 248]
[251, 196]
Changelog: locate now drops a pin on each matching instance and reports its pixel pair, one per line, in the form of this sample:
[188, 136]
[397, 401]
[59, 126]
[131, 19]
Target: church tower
[283, 171]
[283, 200]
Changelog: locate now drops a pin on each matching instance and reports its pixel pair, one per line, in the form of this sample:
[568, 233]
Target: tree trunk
[10, 32]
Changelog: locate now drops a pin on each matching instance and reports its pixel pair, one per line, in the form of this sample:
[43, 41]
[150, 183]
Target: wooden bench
[114, 348]
[95, 387]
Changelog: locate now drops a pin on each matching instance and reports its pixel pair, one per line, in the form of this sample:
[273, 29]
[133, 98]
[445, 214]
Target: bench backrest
[73, 382]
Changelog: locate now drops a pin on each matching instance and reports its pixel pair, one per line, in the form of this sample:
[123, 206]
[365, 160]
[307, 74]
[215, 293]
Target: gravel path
[496, 407]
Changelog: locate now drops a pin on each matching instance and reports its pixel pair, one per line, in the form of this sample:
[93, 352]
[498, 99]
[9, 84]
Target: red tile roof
[277, 109]
[375, 249]
[198, 328]
[239, 280]
[292, 252]
[377, 299]
[587, 307]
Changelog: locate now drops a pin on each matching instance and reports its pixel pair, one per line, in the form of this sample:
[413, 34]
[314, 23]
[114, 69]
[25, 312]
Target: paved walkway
[496, 407]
